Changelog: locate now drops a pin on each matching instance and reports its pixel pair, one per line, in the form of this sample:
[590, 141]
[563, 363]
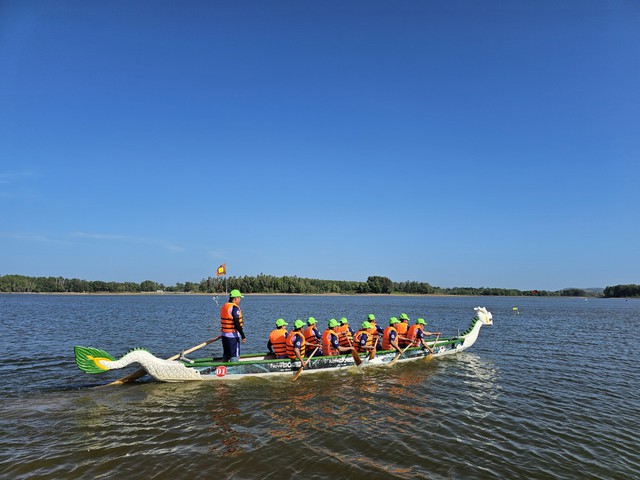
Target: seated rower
[295, 342]
[330, 341]
[376, 330]
[402, 328]
[276, 344]
[345, 333]
[390, 336]
[363, 339]
[416, 334]
[312, 336]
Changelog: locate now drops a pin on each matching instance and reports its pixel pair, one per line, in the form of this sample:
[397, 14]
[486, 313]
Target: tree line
[622, 291]
[287, 284]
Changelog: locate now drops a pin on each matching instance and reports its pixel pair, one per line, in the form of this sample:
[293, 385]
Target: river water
[549, 392]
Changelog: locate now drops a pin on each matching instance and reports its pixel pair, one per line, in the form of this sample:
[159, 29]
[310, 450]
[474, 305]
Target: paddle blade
[372, 355]
[88, 359]
[356, 357]
[295, 377]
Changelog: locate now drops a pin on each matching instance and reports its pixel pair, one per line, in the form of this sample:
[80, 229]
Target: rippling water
[549, 393]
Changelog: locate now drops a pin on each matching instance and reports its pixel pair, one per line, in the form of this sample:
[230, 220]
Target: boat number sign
[221, 371]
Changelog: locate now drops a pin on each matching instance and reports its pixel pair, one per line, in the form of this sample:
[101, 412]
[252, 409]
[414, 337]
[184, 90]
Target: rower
[390, 336]
[295, 342]
[330, 342]
[376, 330]
[345, 333]
[402, 328]
[276, 344]
[363, 339]
[312, 336]
[416, 334]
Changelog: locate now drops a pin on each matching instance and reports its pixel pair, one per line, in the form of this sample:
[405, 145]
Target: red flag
[222, 270]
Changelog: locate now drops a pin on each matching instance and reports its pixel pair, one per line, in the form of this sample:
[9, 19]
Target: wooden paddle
[141, 372]
[428, 357]
[400, 353]
[354, 354]
[295, 377]
[372, 355]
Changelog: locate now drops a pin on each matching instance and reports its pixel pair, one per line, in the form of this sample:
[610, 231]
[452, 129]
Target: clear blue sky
[460, 143]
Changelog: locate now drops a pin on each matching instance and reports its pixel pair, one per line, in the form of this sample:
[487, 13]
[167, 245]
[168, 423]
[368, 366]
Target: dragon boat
[92, 360]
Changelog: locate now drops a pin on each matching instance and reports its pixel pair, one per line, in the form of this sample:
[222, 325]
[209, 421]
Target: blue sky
[460, 143]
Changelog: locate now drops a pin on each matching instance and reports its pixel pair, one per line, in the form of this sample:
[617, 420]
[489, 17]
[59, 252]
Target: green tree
[379, 284]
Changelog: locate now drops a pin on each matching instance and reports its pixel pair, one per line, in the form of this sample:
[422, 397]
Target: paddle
[141, 372]
[295, 377]
[354, 354]
[372, 355]
[432, 347]
[400, 353]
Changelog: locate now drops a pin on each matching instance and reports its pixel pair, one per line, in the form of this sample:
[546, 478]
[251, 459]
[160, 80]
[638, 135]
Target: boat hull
[250, 367]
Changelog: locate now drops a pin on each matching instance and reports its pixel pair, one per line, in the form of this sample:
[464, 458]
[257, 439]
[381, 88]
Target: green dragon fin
[87, 359]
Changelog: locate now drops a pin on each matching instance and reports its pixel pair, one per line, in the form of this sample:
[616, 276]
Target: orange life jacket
[402, 328]
[327, 346]
[344, 335]
[412, 333]
[386, 342]
[277, 338]
[357, 338]
[310, 335]
[289, 342]
[226, 319]
[373, 335]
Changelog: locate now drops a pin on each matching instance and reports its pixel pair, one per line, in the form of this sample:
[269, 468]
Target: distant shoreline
[280, 294]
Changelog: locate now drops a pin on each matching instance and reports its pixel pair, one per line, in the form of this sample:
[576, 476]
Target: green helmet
[421, 321]
[333, 323]
[366, 325]
[311, 320]
[281, 323]
[298, 324]
[371, 316]
[403, 316]
[235, 293]
[393, 320]
[343, 321]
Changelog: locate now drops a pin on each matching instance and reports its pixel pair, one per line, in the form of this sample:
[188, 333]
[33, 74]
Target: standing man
[232, 327]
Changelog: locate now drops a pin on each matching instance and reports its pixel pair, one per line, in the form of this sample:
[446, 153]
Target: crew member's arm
[335, 343]
[363, 342]
[297, 343]
[236, 322]
[315, 342]
[393, 340]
